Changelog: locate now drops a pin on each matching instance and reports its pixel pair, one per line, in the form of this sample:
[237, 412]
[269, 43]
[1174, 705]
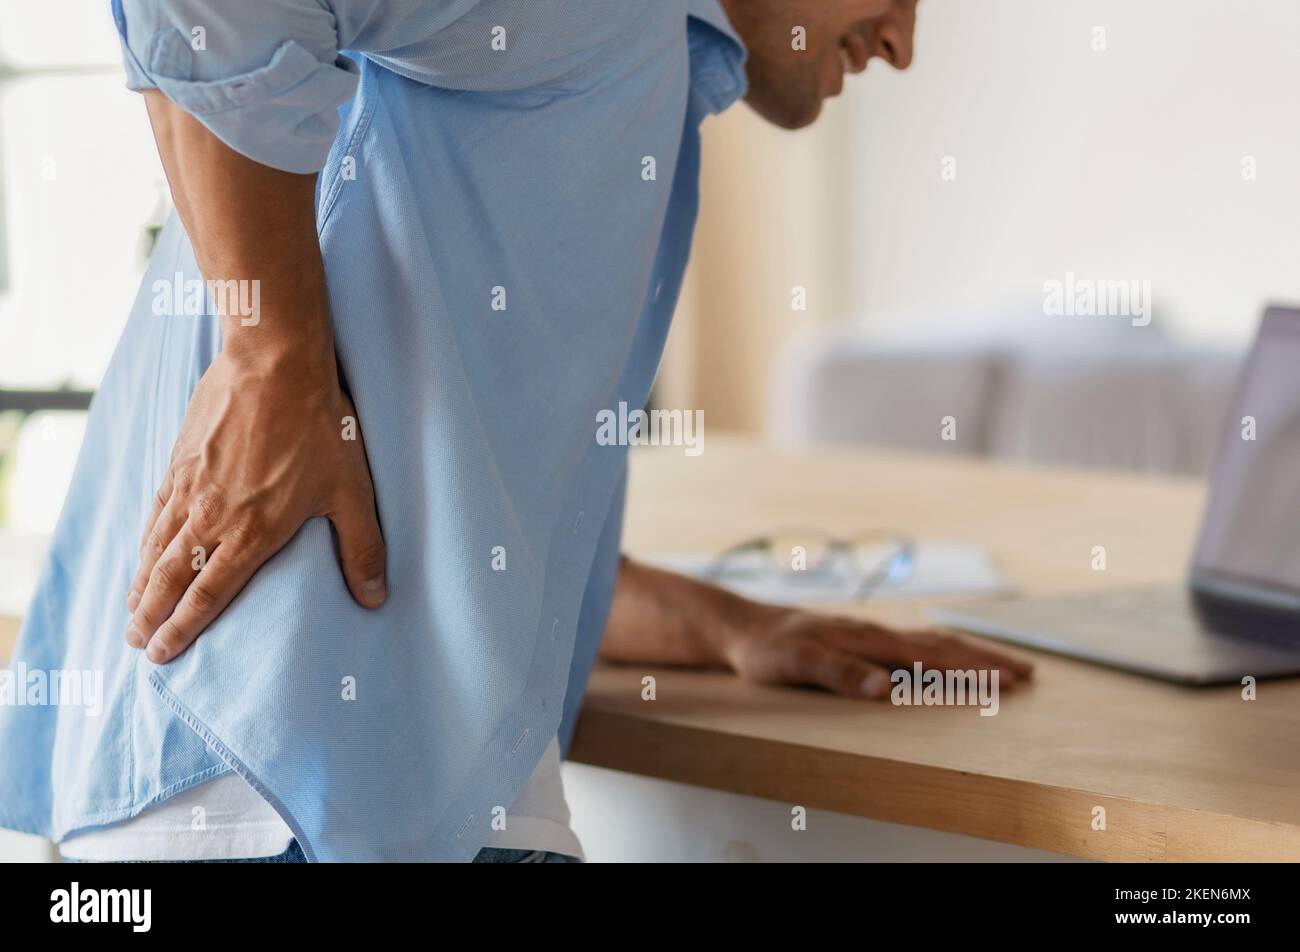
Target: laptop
[1239, 612]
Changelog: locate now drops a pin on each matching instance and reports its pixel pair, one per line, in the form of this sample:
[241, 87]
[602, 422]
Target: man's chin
[785, 113]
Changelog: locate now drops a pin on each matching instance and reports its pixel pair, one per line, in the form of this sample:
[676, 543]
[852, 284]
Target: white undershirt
[234, 822]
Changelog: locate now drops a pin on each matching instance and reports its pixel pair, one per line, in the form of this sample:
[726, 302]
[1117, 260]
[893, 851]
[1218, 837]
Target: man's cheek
[871, 9]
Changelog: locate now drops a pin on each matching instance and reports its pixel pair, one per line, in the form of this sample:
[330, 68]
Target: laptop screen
[1250, 540]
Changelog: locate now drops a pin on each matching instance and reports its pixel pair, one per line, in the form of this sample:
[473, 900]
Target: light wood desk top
[1183, 773]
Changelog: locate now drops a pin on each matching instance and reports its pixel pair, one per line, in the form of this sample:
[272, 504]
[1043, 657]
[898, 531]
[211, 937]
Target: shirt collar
[717, 55]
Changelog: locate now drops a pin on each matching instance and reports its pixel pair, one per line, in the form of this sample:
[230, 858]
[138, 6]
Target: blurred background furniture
[1093, 400]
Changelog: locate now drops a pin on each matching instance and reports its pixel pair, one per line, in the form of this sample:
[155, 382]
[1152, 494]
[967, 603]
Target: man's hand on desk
[662, 618]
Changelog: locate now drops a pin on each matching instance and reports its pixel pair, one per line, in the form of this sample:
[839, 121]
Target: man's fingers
[170, 576]
[160, 499]
[222, 578]
[361, 547]
[957, 653]
[836, 671]
[163, 526]
[932, 649]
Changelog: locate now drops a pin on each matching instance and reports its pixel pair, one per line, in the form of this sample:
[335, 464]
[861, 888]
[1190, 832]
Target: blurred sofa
[1096, 394]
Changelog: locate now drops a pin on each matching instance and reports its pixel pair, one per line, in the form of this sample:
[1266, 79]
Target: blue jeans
[294, 854]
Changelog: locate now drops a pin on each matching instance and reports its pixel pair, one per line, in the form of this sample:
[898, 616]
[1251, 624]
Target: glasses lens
[801, 552]
[820, 559]
[883, 562]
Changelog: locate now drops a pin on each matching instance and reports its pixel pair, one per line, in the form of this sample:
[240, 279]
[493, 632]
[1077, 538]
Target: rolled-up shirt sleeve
[265, 76]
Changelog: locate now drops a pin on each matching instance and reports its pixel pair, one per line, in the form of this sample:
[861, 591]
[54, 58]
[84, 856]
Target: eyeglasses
[862, 563]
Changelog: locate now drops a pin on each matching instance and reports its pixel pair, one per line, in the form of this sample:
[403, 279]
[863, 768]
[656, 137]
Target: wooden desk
[1183, 774]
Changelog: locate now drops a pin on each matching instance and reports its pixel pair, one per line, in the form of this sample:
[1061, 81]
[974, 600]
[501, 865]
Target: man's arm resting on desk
[662, 618]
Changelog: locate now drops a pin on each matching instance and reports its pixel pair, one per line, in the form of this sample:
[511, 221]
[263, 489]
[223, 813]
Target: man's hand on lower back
[270, 439]
[261, 451]
[663, 618]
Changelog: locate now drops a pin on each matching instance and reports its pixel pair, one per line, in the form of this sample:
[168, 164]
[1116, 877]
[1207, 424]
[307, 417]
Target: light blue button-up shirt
[471, 153]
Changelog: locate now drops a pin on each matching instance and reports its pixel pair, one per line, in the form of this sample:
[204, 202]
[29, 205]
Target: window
[82, 193]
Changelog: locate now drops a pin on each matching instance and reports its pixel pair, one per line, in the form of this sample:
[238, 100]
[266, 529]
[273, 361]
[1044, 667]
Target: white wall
[1122, 163]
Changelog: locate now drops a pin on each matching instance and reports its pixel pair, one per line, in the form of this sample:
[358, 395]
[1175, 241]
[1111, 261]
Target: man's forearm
[250, 223]
[660, 617]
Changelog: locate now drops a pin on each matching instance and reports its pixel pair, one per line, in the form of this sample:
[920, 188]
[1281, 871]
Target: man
[458, 228]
